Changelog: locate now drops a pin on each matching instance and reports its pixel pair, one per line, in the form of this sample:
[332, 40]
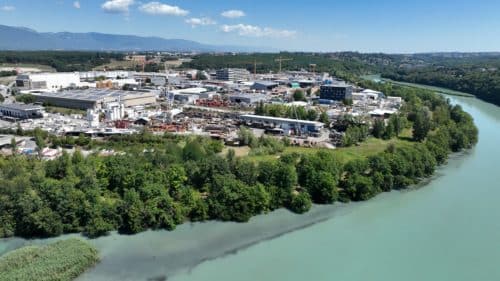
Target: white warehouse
[51, 82]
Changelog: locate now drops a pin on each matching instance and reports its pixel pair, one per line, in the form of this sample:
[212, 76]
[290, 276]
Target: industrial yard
[302, 106]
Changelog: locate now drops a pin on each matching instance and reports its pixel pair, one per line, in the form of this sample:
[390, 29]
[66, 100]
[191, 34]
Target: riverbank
[162, 255]
[157, 255]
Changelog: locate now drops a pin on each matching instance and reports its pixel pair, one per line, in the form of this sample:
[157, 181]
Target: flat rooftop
[90, 95]
[266, 83]
[279, 119]
[21, 106]
[337, 85]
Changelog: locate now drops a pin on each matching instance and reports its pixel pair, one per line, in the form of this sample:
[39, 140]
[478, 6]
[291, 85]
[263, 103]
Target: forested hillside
[478, 75]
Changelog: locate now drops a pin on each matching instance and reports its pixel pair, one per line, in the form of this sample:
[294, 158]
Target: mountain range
[24, 39]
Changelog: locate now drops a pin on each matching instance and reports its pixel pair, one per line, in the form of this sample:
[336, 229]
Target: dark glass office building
[335, 92]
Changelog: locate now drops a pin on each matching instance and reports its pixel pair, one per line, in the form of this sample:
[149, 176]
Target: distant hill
[21, 38]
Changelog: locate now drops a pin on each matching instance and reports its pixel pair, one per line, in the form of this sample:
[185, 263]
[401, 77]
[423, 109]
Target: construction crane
[255, 63]
[281, 60]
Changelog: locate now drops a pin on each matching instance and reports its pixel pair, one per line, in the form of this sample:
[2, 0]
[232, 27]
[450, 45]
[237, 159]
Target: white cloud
[194, 22]
[76, 4]
[117, 6]
[7, 8]
[233, 14]
[257, 31]
[157, 8]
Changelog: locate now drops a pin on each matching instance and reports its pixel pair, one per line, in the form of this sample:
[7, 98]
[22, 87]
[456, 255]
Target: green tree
[298, 95]
[323, 118]
[347, 102]
[176, 179]
[131, 213]
[300, 203]
[312, 115]
[421, 126]
[232, 200]
[323, 188]
[193, 151]
[378, 128]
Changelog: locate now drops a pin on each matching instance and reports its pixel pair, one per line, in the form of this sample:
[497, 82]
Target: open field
[26, 67]
[117, 64]
[368, 148]
[62, 261]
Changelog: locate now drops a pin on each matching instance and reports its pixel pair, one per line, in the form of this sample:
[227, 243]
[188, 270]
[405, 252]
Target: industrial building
[92, 75]
[155, 78]
[287, 125]
[186, 98]
[247, 98]
[264, 85]
[336, 92]
[232, 74]
[367, 95]
[21, 110]
[96, 98]
[51, 82]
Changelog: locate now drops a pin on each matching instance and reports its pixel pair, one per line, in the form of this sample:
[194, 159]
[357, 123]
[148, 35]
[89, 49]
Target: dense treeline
[285, 111]
[473, 73]
[59, 60]
[477, 80]
[162, 181]
[339, 64]
[5, 73]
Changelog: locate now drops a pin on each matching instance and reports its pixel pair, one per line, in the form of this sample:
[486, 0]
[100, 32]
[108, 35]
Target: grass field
[60, 261]
[115, 64]
[368, 148]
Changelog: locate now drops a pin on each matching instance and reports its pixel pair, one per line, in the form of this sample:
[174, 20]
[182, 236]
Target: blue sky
[395, 26]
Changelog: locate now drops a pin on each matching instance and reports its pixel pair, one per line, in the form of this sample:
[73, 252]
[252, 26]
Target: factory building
[336, 92]
[264, 85]
[157, 79]
[367, 95]
[92, 75]
[247, 98]
[287, 125]
[232, 74]
[186, 98]
[21, 110]
[96, 98]
[51, 82]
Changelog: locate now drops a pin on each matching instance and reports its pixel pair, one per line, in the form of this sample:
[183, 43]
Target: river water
[447, 230]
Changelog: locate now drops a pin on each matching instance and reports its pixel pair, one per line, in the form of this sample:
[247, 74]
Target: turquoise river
[447, 229]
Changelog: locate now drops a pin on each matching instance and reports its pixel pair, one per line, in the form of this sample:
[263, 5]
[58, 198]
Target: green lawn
[368, 148]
